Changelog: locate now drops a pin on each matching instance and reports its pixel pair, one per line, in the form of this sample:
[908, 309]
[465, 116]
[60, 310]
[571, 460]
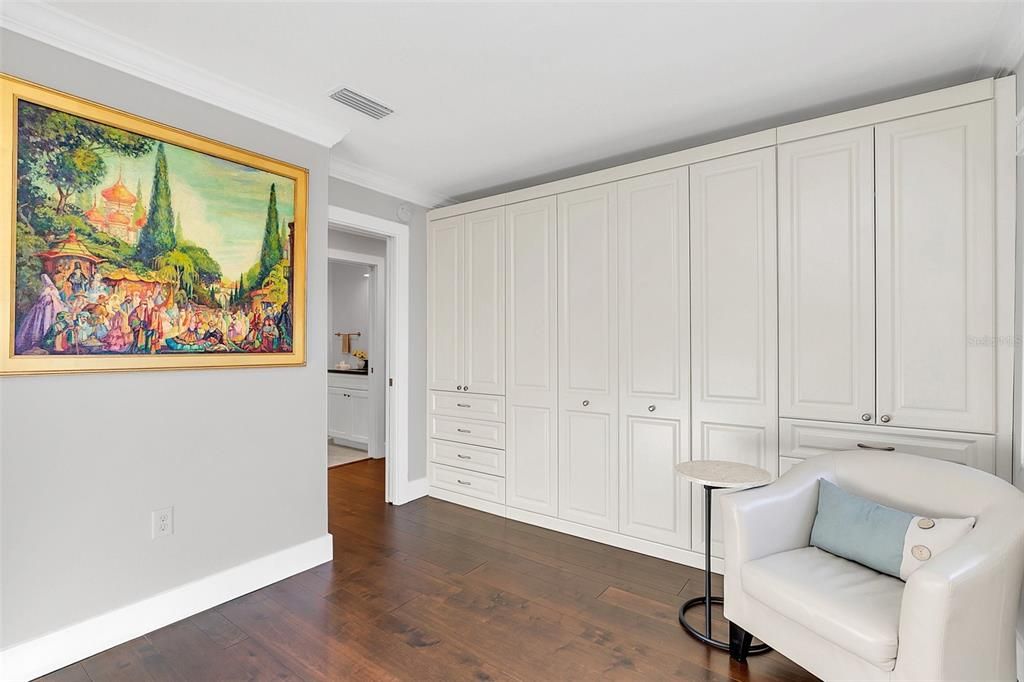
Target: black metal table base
[706, 638]
[707, 600]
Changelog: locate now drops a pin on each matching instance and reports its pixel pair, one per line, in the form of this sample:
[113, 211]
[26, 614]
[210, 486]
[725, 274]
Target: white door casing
[654, 356]
[588, 357]
[531, 389]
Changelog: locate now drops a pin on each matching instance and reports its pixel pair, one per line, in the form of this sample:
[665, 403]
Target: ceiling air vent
[361, 103]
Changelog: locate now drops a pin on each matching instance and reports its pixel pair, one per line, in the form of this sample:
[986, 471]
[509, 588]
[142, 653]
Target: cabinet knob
[461, 482]
[459, 387]
[586, 403]
[465, 388]
[462, 405]
[463, 430]
[651, 408]
[865, 417]
[462, 456]
[885, 418]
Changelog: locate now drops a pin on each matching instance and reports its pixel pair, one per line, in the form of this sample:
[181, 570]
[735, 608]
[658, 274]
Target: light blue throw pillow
[888, 540]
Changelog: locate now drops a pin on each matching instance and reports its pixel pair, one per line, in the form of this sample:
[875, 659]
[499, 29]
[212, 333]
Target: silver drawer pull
[463, 430]
[651, 408]
[883, 448]
[463, 456]
[586, 403]
[462, 405]
[461, 482]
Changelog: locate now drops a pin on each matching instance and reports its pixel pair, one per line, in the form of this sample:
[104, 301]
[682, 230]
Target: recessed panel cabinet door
[654, 355]
[445, 304]
[734, 319]
[827, 278]
[531, 413]
[360, 412]
[339, 413]
[936, 286]
[588, 469]
[484, 281]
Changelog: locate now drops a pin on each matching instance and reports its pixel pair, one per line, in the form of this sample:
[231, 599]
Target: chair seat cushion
[850, 605]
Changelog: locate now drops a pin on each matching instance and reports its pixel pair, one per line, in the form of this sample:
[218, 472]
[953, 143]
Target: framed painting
[126, 244]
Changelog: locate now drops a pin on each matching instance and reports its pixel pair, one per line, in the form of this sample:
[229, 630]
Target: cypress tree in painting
[140, 208]
[179, 234]
[157, 237]
[271, 252]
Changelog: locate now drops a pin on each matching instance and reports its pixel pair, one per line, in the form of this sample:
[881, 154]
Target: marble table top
[722, 474]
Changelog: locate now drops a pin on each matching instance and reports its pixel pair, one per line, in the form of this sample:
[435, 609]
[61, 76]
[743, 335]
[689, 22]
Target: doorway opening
[357, 362]
[368, 265]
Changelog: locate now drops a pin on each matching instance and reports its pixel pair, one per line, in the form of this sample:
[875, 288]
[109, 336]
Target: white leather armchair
[954, 618]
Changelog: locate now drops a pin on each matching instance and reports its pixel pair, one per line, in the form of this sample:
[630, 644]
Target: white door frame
[397, 395]
[376, 382]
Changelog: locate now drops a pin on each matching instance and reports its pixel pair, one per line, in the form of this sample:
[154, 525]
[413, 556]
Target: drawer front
[801, 439]
[472, 431]
[468, 483]
[474, 406]
[484, 460]
[352, 381]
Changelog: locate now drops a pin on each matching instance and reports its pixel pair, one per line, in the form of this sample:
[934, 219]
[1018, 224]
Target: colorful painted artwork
[139, 246]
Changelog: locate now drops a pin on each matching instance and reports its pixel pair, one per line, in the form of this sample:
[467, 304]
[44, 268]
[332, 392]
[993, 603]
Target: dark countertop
[360, 372]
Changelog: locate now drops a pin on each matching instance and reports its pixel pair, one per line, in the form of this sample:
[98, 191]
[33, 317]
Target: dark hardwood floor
[434, 591]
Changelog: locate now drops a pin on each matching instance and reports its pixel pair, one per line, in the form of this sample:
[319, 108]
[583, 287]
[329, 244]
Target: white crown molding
[46, 23]
[380, 182]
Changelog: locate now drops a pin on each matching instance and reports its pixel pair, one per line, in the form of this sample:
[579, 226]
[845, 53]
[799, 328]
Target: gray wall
[356, 198]
[240, 454]
[348, 299]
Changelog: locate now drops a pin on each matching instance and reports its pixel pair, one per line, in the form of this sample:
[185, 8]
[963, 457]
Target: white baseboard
[656, 549]
[413, 490]
[466, 501]
[61, 648]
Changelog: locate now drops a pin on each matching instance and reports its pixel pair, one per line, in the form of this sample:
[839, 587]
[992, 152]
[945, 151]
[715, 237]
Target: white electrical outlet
[163, 522]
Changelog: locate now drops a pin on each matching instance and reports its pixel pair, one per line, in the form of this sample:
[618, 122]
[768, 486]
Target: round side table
[715, 475]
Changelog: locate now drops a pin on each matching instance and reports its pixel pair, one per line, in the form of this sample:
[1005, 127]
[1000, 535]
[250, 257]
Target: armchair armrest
[759, 522]
[763, 521]
[959, 612]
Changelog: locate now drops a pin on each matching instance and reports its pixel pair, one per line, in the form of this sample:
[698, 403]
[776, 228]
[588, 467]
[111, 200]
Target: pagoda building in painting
[118, 217]
[68, 255]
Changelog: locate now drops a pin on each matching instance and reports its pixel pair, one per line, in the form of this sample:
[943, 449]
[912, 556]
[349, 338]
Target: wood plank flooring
[434, 591]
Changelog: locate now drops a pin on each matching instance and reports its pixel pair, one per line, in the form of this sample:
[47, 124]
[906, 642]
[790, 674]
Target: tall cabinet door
[827, 278]
[531, 402]
[734, 318]
[445, 305]
[936, 286]
[484, 307]
[654, 356]
[588, 470]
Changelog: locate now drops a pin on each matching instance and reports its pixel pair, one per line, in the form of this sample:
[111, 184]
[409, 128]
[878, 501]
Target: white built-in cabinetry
[734, 317]
[654, 356]
[588, 358]
[348, 414]
[466, 329]
[531, 376]
[828, 285]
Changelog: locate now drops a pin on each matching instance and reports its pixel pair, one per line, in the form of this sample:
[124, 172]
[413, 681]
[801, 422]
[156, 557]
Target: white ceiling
[492, 96]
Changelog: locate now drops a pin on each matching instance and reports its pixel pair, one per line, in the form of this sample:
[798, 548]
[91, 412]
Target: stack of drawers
[467, 445]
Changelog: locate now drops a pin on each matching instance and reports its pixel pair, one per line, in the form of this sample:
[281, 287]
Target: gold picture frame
[214, 341]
